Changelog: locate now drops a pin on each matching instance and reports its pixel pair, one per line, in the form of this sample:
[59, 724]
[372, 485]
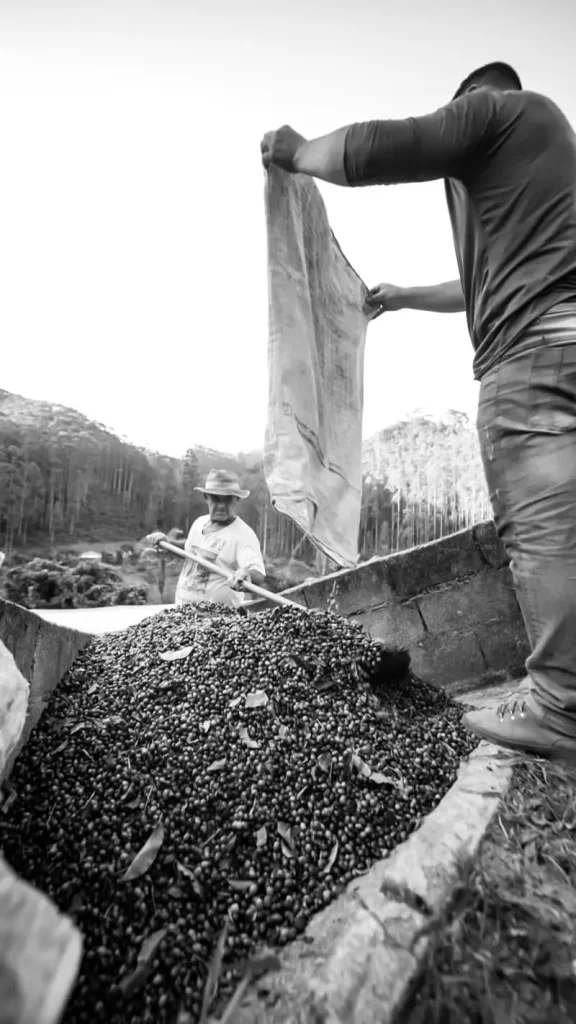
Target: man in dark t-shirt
[508, 158]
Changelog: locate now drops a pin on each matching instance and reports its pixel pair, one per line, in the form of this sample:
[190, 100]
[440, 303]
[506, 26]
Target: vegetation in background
[65, 478]
[42, 583]
[423, 479]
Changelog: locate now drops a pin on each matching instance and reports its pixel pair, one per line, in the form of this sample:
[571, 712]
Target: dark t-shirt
[509, 160]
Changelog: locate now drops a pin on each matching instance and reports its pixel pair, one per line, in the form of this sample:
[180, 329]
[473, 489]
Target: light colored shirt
[237, 547]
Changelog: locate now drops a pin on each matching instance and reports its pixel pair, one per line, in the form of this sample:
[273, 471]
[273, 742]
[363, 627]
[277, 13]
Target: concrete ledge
[43, 652]
[360, 957]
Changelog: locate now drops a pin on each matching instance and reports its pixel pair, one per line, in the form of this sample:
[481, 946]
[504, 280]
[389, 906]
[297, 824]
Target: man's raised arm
[437, 298]
[439, 145]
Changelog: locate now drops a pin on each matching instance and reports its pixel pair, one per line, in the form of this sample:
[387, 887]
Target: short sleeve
[250, 557]
[194, 538]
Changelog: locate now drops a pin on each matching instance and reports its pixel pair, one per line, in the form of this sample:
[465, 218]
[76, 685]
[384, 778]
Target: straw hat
[223, 483]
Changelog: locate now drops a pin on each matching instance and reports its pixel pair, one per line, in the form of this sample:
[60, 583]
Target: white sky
[132, 244]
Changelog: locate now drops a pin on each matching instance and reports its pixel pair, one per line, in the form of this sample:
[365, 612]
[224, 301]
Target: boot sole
[549, 754]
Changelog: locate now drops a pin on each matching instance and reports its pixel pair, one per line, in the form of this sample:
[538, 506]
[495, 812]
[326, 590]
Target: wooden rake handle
[218, 571]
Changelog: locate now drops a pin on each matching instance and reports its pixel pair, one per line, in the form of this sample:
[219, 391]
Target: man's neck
[219, 525]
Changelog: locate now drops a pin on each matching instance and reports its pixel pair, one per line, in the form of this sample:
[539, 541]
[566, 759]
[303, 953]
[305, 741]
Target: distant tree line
[65, 478]
[423, 479]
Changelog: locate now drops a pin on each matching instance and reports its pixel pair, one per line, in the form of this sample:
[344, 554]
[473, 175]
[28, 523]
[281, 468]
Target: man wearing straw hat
[223, 538]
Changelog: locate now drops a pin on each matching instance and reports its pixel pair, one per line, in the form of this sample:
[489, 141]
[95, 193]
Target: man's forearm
[324, 158]
[437, 298]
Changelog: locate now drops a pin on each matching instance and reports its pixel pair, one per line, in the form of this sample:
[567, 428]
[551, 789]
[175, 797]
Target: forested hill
[65, 477]
[31, 415]
[64, 474]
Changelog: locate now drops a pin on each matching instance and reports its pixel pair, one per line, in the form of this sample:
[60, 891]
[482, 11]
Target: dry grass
[505, 952]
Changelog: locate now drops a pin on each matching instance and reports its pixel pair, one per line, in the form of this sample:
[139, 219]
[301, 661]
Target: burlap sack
[40, 949]
[317, 333]
[14, 692]
[40, 952]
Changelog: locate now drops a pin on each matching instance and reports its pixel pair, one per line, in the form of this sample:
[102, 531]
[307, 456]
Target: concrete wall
[451, 603]
[42, 651]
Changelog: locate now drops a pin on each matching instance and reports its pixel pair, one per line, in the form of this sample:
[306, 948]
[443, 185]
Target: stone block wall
[450, 603]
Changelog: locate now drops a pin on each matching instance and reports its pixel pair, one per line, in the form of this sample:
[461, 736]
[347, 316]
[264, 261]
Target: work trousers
[527, 431]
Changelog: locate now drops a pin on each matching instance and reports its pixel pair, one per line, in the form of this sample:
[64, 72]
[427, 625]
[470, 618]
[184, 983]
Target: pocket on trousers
[532, 393]
[551, 399]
